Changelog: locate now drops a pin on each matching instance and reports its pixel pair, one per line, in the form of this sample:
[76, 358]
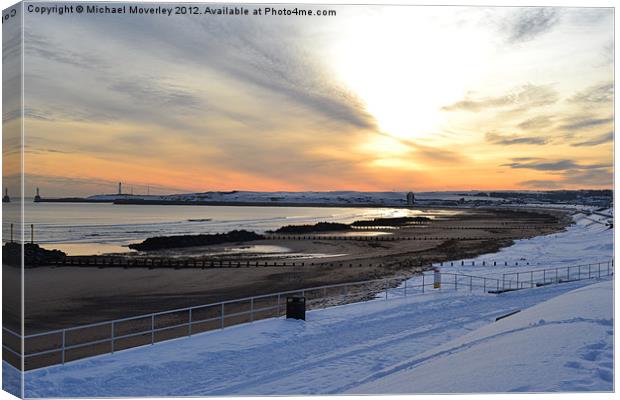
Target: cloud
[538, 122]
[263, 58]
[528, 23]
[560, 165]
[605, 138]
[275, 59]
[576, 179]
[41, 46]
[525, 96]
[542, 184]
[11, 42]
[589, 178]
[274, 63]
[43, 151]
[602, 93]
[579, 123]
[429, 153]
[11, 70]
[519, 159]
[509, 140]
[156, 92]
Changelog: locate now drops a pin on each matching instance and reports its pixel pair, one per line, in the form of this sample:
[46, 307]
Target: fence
[195, 262]
[541, 277]
[377, 238]
[69, 344]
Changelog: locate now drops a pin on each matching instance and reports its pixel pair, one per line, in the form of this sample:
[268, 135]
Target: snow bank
[563, 344]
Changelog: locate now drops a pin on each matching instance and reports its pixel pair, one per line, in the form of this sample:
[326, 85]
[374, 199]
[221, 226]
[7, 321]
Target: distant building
[410, 199]
[120, 189]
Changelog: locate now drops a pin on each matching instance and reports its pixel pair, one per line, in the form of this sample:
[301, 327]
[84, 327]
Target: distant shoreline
[230, 203]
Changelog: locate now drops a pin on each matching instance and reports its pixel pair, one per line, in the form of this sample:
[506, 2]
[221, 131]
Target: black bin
[296, 307]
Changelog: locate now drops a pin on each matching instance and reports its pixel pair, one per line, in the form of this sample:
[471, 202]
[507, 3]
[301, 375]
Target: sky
[376, 98]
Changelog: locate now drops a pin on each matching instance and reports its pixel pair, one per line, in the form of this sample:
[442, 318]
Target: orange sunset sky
[376, 98]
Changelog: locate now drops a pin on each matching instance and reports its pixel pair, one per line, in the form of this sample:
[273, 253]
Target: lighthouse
[37, 198]
[120, 189]
[6, 198]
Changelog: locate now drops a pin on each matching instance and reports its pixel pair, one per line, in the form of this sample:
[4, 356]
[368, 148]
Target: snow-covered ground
[562, 344]
[359, 347]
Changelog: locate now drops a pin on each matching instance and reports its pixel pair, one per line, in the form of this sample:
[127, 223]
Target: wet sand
[68, 296]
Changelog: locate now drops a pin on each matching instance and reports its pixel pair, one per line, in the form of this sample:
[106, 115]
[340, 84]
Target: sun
[405, 67]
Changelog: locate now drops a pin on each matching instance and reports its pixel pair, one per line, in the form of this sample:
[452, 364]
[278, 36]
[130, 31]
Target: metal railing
[541, 277]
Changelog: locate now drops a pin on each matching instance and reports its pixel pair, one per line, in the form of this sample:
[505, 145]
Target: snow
[562, 344]
[11, 380]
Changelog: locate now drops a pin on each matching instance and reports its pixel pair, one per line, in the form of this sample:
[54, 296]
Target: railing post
[544, 276]
[556, 276]
[470, 283]
[531, 278]
[405, 288]
[423, 282]
[456, 286]
[222, 313]
[599, 270]
[63, 345]
[484, 285]
[608, 268]
[252, 309]
[589, 271]
[152, 328]
[112, 340]
[190, 323]
[386, 289]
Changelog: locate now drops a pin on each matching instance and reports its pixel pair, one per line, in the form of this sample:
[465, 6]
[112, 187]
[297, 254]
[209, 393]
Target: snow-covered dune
[562, 344]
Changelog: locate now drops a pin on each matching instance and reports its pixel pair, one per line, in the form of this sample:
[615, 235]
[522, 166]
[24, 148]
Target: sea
[99, 228]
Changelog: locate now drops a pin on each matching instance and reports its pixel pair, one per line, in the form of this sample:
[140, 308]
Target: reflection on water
[87, 249]
[254, 249]
[354, 234]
